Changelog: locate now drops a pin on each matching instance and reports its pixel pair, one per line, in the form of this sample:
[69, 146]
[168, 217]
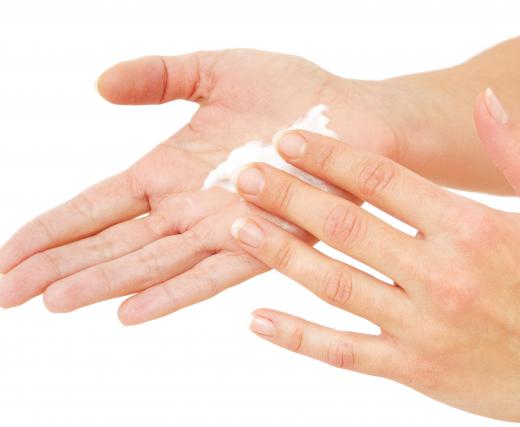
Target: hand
[450, 323]
[92, 248]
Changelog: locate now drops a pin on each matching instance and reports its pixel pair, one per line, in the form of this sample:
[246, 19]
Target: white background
[200, 366]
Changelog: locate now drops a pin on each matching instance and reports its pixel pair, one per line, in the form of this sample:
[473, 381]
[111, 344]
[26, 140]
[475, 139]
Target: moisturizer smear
[261, 151]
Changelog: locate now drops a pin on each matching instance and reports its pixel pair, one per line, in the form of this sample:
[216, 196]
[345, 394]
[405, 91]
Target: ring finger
[331, 280]
[334, 220]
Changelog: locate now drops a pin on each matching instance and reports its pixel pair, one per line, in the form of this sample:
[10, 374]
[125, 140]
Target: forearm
[434, 118]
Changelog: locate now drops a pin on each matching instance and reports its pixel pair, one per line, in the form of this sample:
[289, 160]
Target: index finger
[373, 178]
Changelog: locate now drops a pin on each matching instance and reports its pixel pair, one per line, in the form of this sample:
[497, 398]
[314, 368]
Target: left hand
[100, 245]
[450, 324]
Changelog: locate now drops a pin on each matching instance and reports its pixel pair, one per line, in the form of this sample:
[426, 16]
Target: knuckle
[283, 259]
[283, 196]
[327, 155]
[337, 287]
[50, 263]
[344, 225]
[132, 179]
[296, 339]
[340, 353]
[158, 224]
[460, 297]
[104, 278]
[205, 278]
[476, 228]
[84, 206]
[42, 225]
[197, 239]
[376, 176]
[149, 260]
[106, 247]
[457, 293]
[170, 295]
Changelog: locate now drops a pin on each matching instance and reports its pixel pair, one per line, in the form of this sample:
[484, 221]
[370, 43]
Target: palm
[181, 252]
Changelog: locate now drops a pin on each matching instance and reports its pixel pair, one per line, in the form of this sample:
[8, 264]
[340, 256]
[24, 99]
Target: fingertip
[487, 127]
[290, 144]
[124, 317]
[12, 253]
[143, 307]
[234, 176]
[260, 312]
[495, 108]
[54, 301]
[266, 312]
[138, 81]
[262, 324]
[9, 294]
[4, 301]
[248, 232]
[499, 135]
[277, 136]
[104, 86]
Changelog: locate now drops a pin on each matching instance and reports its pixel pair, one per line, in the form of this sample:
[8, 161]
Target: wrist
[432, 117]
[412, 110]
[420, 109]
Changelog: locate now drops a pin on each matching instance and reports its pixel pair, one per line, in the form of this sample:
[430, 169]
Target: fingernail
[291, 144]
[263, 326]
[250, 180]
[247, 232]
[495, 108]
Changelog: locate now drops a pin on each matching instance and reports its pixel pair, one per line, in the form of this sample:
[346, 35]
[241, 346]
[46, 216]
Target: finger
[132, 273]
[368, 354]
[157, 261]
[208, 278]
[159, 79]
[335, 221]
[331, 280]
[500, 136]
[172, 215]
[31, 277]
[112, 201]
[373, 178]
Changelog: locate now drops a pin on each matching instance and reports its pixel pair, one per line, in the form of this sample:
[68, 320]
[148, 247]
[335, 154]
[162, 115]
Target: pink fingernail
[250, 180]
[291, 145]
[248, 232]
[495, 107]
[263, 326]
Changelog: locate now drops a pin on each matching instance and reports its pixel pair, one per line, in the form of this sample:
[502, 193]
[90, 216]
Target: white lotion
[261, 151]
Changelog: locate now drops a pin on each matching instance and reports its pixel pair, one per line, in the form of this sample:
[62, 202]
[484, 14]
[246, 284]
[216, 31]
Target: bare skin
[450, 323]
[92, 248]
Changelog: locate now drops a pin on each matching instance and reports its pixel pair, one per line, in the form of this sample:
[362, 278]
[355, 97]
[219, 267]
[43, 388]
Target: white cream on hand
[261, 151]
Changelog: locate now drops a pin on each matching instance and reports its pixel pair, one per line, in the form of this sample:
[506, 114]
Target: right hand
[450, 322]
[92, 248]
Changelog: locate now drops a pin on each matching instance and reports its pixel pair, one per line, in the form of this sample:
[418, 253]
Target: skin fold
[149, 233]
[450, 323]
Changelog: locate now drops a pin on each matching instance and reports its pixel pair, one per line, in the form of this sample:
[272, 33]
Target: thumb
[159, 79]
[500, 136]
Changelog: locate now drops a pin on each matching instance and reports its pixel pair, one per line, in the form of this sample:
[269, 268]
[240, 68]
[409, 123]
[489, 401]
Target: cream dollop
[260, 151]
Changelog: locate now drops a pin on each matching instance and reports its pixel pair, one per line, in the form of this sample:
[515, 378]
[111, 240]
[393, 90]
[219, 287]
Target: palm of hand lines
[92, 248]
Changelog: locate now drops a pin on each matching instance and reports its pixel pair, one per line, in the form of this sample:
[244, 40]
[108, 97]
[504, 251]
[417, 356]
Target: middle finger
[334, 220]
